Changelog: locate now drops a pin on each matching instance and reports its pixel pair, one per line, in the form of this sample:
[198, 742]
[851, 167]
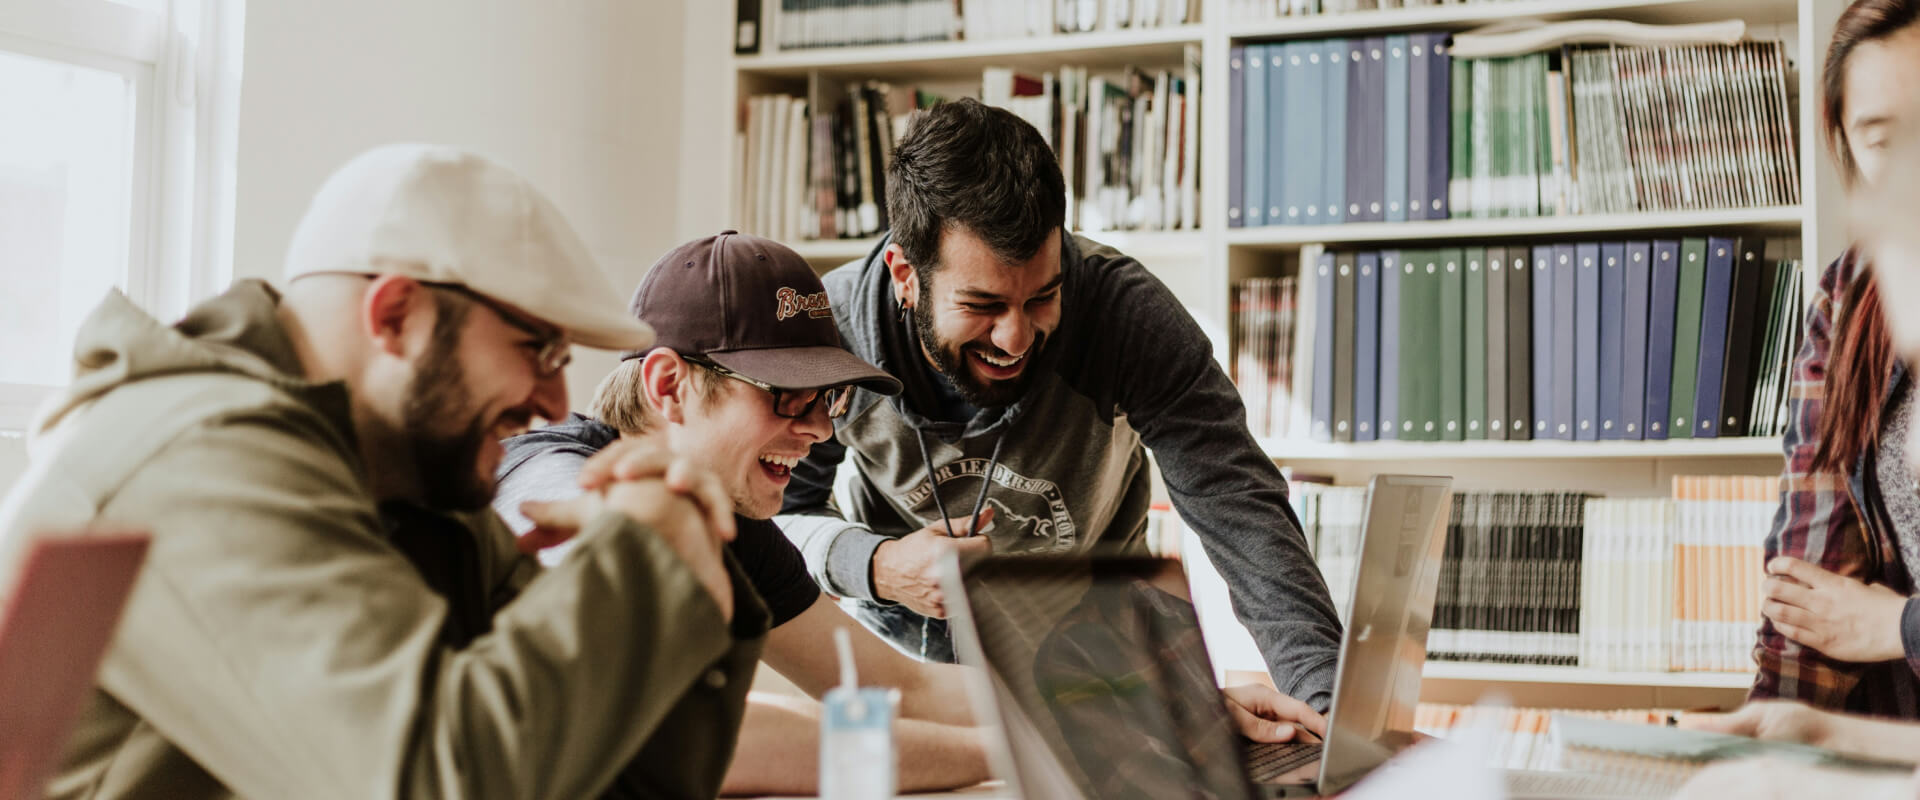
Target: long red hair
[1860, 362]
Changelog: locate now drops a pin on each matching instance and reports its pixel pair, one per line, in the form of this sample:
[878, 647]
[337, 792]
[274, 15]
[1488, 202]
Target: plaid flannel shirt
[1820, 521]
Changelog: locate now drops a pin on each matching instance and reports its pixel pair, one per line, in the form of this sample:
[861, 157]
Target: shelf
[832, 252]
[1143, 244]
[1283, 237]
[1744, 447]
[1469, 15]
[925, 59]
[1577, 676]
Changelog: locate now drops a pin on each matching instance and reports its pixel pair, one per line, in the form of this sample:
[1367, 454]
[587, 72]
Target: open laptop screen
[1100, 663]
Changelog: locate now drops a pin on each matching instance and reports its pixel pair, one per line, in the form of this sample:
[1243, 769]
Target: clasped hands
[685, 505]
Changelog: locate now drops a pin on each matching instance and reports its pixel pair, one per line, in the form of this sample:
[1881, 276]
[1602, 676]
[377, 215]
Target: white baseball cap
[443, 215]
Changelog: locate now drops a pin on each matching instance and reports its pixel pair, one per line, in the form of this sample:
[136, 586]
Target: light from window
[66, 191]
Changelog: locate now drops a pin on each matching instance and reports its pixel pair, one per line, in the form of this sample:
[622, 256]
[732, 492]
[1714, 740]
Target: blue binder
[1366, 348]
[1418, 122]
[1323, 367]
[1280, 153]
[1586, 338]
[1543, 341]
[1663, 296]
[1254, 182]
[1633, 341]
[1439, 106]
[1715, 303]
[1565, 352]
[1305, 131]
[1391, 275]
[1613, 311]
[1398, 78]
[1337, 72]
[1236, 136]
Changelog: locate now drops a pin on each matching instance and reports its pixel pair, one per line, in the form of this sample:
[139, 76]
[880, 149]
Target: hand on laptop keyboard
[1263, 714]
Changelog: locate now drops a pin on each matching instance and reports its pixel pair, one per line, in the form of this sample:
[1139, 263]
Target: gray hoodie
[1128, 369]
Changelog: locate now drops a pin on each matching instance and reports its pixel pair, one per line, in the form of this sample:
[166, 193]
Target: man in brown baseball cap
[744, 376]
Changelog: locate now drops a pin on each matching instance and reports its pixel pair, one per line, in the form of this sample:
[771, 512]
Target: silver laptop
[1095, 671]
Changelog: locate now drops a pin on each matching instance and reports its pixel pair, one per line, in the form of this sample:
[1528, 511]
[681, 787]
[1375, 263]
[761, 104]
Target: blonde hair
[621, 398]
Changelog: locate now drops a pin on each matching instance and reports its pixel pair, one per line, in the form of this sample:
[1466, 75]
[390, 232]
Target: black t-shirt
[544, 464]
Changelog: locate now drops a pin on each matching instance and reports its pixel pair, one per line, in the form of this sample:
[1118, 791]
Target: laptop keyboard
[1267, 761]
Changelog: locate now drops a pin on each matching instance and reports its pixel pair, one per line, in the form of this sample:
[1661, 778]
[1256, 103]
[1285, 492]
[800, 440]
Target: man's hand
[1263, 714]
[1836, 615]
[636, 458]
[1776, 720]
[907, 570]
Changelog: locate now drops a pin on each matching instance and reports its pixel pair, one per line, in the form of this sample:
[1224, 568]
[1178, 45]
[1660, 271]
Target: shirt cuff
[1910, 633]
[850, 563]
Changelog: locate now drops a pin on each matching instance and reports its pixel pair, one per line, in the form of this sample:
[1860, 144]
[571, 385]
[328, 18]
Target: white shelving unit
[1200, 266]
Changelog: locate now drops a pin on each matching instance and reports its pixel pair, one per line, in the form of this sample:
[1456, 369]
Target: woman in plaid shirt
[1841, 630]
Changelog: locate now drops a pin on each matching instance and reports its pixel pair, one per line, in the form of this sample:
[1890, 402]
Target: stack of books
[1262, 313]
[1566, 579]
[1524, 740]
[1395, 129]
[1646, 339]
[1674, 583]
[804, 24]
[1509, 588]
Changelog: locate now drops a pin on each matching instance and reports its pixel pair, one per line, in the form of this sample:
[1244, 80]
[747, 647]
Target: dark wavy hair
[965, 164]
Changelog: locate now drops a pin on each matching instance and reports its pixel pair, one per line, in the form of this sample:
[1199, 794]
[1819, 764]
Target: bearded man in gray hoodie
[1039, 367]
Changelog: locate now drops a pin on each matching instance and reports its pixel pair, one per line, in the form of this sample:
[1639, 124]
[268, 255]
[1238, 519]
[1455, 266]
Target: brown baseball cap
[754, 306]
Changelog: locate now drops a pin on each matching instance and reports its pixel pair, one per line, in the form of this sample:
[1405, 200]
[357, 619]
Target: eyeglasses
[790, 403]
[555, 350]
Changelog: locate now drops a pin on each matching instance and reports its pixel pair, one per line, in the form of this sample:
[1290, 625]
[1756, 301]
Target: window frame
[182, 60]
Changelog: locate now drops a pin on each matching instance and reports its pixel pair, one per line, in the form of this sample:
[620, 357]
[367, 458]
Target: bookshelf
[1200, 266]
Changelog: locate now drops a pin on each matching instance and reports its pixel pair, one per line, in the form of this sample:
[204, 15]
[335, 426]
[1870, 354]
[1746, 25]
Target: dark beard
[950, 360]
[447, 464]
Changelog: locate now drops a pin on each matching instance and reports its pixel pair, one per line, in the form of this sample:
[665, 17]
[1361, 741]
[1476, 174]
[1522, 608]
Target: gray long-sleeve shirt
[1128, 369]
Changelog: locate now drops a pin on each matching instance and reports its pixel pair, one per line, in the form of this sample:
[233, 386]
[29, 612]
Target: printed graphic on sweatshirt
[1029, 513]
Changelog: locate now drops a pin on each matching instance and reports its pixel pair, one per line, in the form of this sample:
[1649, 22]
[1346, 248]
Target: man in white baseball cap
[329, 609]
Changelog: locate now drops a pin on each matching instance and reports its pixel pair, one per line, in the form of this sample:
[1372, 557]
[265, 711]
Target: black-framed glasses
[790, 403]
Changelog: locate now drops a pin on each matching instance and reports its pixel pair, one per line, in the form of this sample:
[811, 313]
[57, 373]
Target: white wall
[581, 96]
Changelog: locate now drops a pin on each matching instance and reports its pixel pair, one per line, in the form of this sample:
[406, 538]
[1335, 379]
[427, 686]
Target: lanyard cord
[979, 502]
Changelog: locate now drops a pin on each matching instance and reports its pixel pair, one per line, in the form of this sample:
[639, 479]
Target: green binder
[1452, 272]
[1686, 337]
[1476, 343]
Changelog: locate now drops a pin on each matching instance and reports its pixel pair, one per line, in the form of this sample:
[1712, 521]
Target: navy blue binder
[1565, 353]
[1418, 119]
[1633, 341]
[1236, 136]
[1715, 305]
[1543, 341]
[1389, 369]
[1586, 342]
[1662, 297]
[1333, 165]
[1366, 347]
[1613, 313]
[1323, 367]
[1258, 141]
[1439, 89]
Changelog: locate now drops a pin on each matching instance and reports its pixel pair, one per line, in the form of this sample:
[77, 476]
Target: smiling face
[982, 320]
[730, 429]
[475, 384]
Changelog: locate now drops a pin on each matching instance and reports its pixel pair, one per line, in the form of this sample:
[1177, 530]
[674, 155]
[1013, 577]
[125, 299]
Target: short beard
[446, 464]
[950, 360]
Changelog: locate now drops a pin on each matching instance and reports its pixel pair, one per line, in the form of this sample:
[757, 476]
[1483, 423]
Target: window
[116, 134]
